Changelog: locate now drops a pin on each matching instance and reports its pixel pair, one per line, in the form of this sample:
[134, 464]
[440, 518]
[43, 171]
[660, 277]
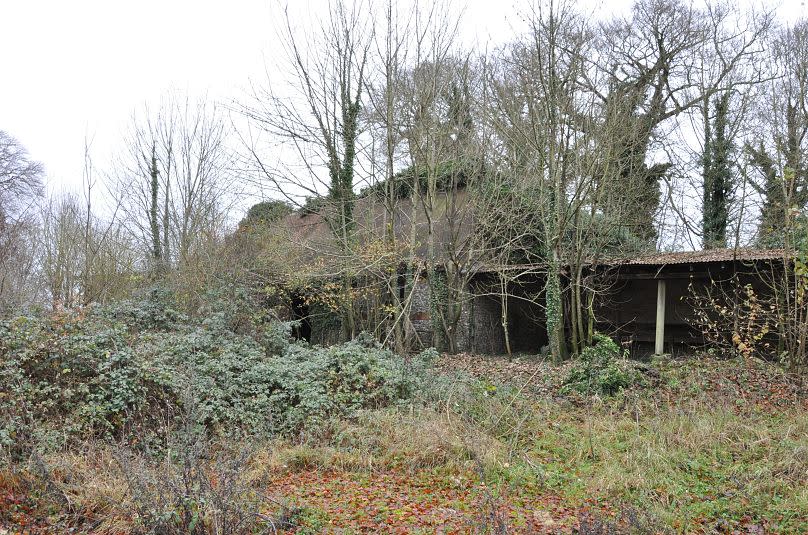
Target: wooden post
[659, 347]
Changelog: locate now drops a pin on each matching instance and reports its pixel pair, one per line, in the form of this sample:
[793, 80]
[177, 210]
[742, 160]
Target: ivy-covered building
[645, 302]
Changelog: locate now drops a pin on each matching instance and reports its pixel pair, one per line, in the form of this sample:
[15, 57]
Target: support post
[659, 347]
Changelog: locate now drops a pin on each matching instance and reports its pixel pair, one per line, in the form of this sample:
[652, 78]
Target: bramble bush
[602, 369]
[118, 368]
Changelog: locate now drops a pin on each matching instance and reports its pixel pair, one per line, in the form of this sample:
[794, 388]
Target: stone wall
[484, 333]
[479, 328]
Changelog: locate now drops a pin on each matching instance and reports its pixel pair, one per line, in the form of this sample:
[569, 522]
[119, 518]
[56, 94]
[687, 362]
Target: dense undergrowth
[123, 369]
[136, 418]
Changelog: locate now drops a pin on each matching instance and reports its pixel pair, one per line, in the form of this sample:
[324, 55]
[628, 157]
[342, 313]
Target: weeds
[481, 456]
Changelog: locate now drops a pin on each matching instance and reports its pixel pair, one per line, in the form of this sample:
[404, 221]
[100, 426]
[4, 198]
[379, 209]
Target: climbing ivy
[555, 313]
[438, 299]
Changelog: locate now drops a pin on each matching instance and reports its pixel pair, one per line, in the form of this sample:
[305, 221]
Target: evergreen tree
[781, 189]
[717, 175]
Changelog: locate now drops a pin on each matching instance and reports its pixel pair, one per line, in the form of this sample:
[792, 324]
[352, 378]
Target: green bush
[56, 370]
[119, 368]
[602, 369]
[313, 382]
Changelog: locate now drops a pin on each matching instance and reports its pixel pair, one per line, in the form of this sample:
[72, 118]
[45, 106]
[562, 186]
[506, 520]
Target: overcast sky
[79, 69]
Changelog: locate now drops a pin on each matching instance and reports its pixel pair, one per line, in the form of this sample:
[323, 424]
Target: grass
[714, 446]
[689, 470]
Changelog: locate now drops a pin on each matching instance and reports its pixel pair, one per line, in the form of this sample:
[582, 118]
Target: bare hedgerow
[190, 487]
[735, 322]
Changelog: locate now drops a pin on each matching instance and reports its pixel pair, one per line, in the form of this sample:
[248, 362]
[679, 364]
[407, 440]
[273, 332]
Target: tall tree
[780, 155]
[154, 225]
[654, 73]
[539, 103]
[718, 182]
[174, 180]
[317, 117]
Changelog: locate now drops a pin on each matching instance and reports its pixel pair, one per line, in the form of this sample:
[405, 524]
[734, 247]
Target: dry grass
[385, 440]
[674, 463]
[687, 454]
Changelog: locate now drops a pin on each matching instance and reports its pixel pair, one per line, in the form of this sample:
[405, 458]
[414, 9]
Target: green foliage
[717, 176]
[555, 312]
[447, 174]
[89, 381]
[313, 383]
[599, 233]
[601, 370]
[118, 368]
[438, 304]
[264, 213]
[153, 309]
[782, 181]
[313, 205]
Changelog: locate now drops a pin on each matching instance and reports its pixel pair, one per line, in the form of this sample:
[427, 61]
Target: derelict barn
[645, 302]
[649, 306]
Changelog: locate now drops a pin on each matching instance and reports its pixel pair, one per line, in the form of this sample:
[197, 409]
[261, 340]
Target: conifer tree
[717, 175]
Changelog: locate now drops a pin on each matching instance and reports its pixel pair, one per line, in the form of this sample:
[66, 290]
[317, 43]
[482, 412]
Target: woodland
[153, 375]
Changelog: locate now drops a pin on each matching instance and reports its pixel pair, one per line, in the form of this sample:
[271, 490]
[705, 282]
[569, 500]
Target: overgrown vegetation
[154, 373]
[603, 369]
[110, 369]
[137, 418]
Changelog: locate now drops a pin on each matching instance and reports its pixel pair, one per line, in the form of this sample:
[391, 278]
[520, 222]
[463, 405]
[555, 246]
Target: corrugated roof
[696, 257]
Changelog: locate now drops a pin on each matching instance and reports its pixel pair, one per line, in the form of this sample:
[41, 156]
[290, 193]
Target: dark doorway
[300, 313]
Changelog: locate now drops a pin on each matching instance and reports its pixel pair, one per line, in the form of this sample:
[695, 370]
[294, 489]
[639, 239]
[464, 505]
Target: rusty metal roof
[696, 257]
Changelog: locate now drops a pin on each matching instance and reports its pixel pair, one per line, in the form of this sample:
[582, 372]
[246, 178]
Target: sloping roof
[663, 259]
[371, 219]
[699, 257]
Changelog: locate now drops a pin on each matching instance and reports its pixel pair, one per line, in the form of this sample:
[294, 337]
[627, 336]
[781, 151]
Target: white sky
[81, 68]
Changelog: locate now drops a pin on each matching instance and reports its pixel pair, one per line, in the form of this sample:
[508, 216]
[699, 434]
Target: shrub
[89, 380]
[314, 382]
[195, 489]
[123, 366]
[601, 369]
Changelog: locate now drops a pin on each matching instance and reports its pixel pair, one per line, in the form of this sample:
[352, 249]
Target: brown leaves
[423, 501]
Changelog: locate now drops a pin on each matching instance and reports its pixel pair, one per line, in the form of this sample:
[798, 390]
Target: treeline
[673, 126]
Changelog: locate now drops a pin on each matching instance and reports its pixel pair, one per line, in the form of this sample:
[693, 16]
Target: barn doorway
[300, 313]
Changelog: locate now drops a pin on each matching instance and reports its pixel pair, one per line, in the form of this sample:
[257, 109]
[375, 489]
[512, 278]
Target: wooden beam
[659, 346]
[658, 276]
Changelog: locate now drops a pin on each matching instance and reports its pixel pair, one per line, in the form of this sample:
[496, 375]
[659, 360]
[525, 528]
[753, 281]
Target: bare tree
[663, 60]
[84, 259]
[317, 119]
[20, 187]
[175, 180]
[20, 176]
[543, 118]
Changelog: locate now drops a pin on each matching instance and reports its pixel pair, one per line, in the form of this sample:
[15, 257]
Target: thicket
[126, 368]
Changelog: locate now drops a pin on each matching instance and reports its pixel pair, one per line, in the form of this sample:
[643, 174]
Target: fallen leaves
[423, 501]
